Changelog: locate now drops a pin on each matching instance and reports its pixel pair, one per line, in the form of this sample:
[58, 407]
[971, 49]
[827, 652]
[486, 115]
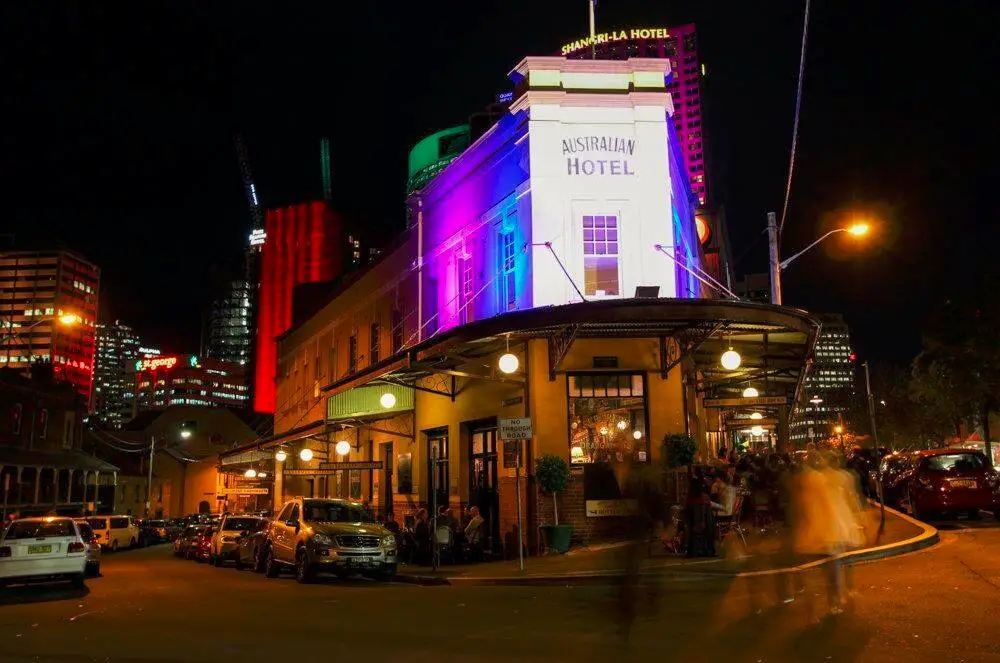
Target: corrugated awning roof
[63, 460]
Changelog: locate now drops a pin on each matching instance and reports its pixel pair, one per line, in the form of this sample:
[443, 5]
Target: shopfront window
[607, 418]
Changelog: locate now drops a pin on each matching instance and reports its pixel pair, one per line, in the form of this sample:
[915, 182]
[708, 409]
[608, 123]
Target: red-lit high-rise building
[48, 313]
[304, 244]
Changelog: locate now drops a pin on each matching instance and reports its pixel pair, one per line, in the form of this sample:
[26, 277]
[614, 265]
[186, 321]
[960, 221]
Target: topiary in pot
[679, 450]
[552, 474]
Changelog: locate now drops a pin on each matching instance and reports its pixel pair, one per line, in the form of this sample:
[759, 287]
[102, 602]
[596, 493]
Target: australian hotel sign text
[615, 35]
[598, 155]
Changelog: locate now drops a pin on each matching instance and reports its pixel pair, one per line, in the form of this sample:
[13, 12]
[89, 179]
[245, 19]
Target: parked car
[93, 541]
[183, 543]
[115, 531]
[226, 540]
[892, 472]
[329, 535]
[950, 481]
[201, 548]
[252, 549]
[152, 532]
[48, 548]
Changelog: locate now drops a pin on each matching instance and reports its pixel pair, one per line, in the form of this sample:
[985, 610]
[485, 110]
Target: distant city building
[304, 245]
[189, 380]
[429, 156]
[147, 351]
[830, 384]
[754, 288]
[37, 289]
[680, 45]
[229, 325]
[114, 374]
[354, 253]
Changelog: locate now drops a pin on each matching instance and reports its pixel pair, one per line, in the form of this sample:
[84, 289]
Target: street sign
[750, 423]
[515, 429]
[352, 465]
[244, 491]
[746, 402]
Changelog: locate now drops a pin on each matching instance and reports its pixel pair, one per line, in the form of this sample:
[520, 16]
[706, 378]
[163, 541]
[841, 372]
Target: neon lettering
[614, 36]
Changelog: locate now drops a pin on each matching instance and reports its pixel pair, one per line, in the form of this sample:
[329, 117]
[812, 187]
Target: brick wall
[572, 511]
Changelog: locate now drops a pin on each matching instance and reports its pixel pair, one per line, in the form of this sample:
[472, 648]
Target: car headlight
[322, 539]
[389, 541]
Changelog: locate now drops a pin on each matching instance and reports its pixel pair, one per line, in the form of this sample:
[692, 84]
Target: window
[374, 340]
[465, 277]
[397, 330]
[507, 290]
[958, 461]
[600, 256]
[352, 355]
[607, 418]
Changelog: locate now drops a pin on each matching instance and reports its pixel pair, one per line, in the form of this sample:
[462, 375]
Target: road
[935, 605]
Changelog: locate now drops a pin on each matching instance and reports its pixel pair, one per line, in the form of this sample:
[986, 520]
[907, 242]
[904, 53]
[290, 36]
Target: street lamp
[856, 229]
[65, 319]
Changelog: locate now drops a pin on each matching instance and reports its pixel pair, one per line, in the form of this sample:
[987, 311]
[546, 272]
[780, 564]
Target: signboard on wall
[240, 490]
[515, 429]
[606, 508]
[352, 465]
[746, 402]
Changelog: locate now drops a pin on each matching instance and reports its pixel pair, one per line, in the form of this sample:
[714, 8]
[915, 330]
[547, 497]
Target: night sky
[119, 125]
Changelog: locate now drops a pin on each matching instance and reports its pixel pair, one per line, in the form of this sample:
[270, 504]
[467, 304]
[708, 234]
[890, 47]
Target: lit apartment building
[48, 311]
[189, 380]
[830, 383]
[114, 374]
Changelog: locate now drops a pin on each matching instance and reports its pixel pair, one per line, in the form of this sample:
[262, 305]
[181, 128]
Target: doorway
[385, 498]
[483, 491]
[437, 469]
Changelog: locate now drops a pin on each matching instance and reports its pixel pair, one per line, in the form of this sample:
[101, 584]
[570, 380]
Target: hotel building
[551, 272]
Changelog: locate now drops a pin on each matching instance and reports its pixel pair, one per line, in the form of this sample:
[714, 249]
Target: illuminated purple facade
[566, 198]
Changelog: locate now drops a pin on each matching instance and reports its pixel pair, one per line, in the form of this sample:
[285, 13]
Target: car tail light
[96, 539]
[75, 547]
[5, 551]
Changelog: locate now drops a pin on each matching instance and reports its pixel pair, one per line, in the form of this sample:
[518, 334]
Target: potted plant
[679, 450]
[552, 474]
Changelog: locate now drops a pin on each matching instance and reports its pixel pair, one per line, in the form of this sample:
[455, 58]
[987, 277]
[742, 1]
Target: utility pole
[593, 30]
[871, 415]
[773, 259]
[149, 484]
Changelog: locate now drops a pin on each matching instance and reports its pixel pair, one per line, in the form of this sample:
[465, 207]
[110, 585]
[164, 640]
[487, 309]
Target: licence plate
[39, 550]
[963, 483]
[361, 561]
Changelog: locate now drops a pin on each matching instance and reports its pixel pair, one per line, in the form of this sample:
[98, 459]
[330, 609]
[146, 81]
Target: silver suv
[329, 535]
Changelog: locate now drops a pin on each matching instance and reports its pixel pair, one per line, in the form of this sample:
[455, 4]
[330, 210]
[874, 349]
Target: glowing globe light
[185, 434]
[750, 392]
[731, 360]
[757, 416]
[250, 474]
[508, 363]
[343, 447]
[388, 400]
[262, 475]
[637, 434]
[576, 452]
[622, 425]
[757, 431]
[306, 454]
[281, 455]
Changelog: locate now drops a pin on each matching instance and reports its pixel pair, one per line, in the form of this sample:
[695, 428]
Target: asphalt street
[940, 604]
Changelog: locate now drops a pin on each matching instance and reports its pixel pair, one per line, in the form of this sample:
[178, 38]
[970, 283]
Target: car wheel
[114, 545]
[974, 514]
[79, 581]
[97, 570]
[303, 570]
[271, 568]
[238, 563]
[131, 544]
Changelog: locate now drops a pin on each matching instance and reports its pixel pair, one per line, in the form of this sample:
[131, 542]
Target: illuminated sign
[164, 363]
[257, 237]
[155, 363]
[602, 155]
[613, 36]
[149, 352]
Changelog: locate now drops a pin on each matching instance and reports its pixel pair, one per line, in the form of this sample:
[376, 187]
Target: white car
[115, 532]
[43, 549]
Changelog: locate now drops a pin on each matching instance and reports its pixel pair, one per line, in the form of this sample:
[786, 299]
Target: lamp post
[65, 319]
[777, 265]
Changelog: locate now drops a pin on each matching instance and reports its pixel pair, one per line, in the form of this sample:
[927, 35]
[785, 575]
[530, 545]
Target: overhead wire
[795, 122]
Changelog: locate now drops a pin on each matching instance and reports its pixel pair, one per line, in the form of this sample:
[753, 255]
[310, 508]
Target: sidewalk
[604, 562]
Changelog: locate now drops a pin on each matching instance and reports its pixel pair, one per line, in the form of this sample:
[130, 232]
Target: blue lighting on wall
[685, 230]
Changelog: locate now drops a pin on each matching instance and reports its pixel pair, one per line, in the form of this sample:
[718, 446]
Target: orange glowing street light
[859, 229]
[69, 319]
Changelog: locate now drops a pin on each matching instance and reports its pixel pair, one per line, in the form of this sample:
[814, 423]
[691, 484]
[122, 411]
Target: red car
[201, 547]
[950, 481]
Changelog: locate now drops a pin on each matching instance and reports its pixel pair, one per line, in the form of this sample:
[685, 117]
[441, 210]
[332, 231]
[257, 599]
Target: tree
[957, 374]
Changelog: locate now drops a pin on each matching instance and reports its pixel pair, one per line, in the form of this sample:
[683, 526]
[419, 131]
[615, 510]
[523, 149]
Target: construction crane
[324, 156]
[256, 212]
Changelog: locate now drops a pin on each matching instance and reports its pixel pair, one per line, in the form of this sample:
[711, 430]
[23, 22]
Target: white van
[115, 532]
